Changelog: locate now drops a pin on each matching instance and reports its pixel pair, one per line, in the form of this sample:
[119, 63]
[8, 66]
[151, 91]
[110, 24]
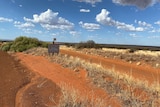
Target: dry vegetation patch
[139, 57]
[132, 92]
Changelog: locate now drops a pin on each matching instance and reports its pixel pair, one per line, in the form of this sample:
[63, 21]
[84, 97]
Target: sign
[53, 48]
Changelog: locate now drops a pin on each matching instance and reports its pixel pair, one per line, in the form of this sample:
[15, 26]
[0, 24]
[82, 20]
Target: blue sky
[135, 22]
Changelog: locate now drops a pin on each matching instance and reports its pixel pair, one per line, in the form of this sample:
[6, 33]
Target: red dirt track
[30, 81]
[60, 75]
[144, 72]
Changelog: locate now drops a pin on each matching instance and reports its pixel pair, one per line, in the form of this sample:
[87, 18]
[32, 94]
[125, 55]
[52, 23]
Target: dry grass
[149, 53]
[132, 92]
[115, 50]
[123, 86]
[73, 98]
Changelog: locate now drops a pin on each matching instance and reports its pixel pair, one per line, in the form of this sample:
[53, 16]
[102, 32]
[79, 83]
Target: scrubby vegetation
[81, 45]
[131, 92]
[73, 98]
[22, 43]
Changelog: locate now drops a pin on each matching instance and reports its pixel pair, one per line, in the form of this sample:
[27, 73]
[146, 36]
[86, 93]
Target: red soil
[21, 87]
[60, 75]
[12, 78]
[144, 72]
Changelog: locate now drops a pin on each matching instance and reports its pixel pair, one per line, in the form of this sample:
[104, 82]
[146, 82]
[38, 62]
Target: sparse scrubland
[130, 91]
[139, 56]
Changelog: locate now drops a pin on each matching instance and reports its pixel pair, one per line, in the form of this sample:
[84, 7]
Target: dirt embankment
[19, 87]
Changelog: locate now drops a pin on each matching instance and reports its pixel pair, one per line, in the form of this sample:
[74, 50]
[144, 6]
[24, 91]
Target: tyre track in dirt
[142, 72]
[60, 75]
[20, 87]
[13, 77]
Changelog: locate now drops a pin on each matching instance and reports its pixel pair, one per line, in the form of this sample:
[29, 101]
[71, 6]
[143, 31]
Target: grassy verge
[132, 92]
[72, 98]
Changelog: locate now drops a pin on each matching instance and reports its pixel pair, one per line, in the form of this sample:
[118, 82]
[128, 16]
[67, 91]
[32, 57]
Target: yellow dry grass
[149, 53]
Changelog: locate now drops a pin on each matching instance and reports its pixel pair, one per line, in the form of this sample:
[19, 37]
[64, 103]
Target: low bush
[6, 47]
[88, 44]
[23, 43]
[132, 50]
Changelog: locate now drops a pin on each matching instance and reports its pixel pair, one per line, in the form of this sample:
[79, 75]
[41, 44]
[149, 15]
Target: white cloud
[23, 25]
[84, 10]
[138, 3]
[50, 20]
[32, 31]
[133, 35]
[2, 19]
[93, 2]
[158, 23]
[89, 26]
[144, 24]
[104, 19]
[54, 34]
[74, 33]
[155, 31]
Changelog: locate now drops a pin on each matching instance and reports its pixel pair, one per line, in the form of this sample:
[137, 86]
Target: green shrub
[23, 43]
[44, 44]
[6, 47]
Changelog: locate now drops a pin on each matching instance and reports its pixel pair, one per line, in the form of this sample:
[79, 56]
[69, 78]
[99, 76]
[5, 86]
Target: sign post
[53, 48]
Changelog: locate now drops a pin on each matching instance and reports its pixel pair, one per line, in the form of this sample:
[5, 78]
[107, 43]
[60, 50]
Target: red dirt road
[20, 87]
[12, 78]
[60, 75]
[144, 72]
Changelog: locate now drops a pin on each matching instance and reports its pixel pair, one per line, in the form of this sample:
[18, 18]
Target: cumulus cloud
[158, 23]
[104, 19]
[23, 25]
[74, 33]
[50, 20]
[26, 27]
[2, 19]
[32, 31]
[93, 2]
[89, 26]
[138, 3]
[84, 10]
[144, 24]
